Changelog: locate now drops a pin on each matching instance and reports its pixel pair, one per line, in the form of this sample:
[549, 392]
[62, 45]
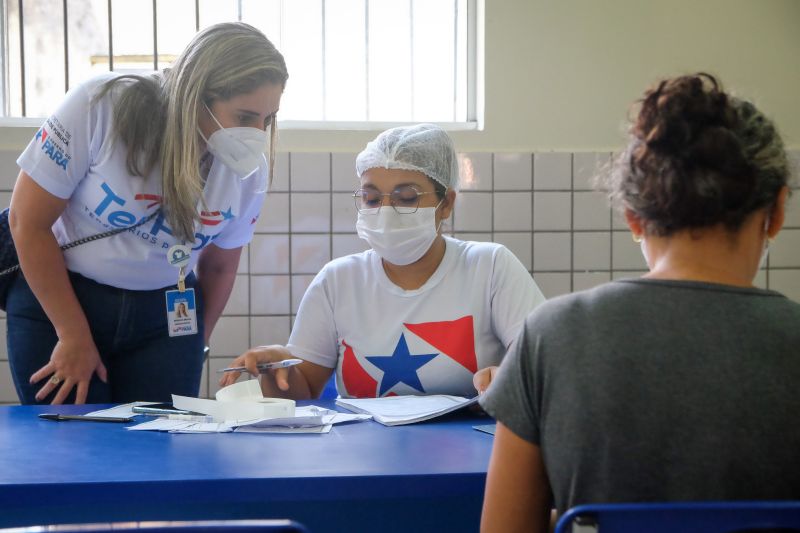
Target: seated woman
[682, 384]
[419, 313]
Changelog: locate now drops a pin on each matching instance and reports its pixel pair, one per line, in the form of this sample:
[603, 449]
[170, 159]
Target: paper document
[307, 419]
[398, 410]
[119, 411]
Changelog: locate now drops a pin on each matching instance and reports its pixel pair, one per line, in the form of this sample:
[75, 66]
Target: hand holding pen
[264, 366]
[275, 359]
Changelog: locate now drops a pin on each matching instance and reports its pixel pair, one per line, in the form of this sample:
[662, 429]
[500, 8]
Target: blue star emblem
[401, 366]
[227, 215]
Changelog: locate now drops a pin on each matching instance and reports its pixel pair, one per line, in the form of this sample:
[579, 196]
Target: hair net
[425, 148]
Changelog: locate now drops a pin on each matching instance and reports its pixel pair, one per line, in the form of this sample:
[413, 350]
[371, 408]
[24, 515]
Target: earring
[636, 238]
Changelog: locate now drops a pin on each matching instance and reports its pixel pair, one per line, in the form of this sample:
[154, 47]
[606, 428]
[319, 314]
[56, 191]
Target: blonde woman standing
[182, 158]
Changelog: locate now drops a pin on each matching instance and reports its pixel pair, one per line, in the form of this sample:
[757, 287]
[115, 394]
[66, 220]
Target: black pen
[59, 418]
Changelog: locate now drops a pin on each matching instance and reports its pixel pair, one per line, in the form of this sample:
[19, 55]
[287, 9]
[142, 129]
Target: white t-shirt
[76, 156]
[384, 340]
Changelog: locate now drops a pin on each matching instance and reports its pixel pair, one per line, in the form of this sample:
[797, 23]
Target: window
[349, 60]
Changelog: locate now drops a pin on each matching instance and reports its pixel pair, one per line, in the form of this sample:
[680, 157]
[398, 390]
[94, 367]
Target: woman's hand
[72, 364]
[261, 354]
[483, 378]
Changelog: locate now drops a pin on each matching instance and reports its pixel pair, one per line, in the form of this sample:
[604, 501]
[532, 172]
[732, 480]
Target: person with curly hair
[681, 384]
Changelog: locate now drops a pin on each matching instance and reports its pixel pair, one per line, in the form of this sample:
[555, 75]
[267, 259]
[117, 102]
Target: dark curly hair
[697, 157]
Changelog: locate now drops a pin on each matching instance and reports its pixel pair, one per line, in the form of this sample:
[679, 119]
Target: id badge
[181, 313]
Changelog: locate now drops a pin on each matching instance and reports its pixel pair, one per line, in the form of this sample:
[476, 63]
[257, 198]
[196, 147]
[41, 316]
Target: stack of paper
[239, 407]
[398, 410]
[309, 419]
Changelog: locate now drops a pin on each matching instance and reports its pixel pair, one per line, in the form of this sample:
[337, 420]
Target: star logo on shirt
[401, 366]
[227, 215]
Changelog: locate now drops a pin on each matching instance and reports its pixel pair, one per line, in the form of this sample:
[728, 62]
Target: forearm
[216, 274]
[42, 263]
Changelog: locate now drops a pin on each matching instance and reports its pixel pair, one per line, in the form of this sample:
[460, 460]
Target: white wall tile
[8, 394]
[552, 210]
[269, 295]
[587, 165]
[786, 282]
[628, 274]
[244, 260]
[591, 251]
[203, 392]
[760, 280]
[520, 245]
[512, 211]
[231, 336]
[239, 301]
[552, 171]
[343, 172]
[793, 211]
[473, 211]
[512, 172]
[475, 170]
[626, 254]
[269, 330]
[785, 249]
[299, 286]
[311, 212]
[280, 181]
[586, 280]
[551, 251]
[8, 162]
[348, 244]
[269, 254]
[345, 213]
[215, 364]
[310, 171]
[274, 216]
[310, 253]
[591, 211]
[618, 220]
[552, 284]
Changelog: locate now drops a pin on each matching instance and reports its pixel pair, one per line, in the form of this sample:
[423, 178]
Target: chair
[190, 526]
[683, 517]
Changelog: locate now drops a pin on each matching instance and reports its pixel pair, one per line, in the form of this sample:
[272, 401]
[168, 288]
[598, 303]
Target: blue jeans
[129, 329]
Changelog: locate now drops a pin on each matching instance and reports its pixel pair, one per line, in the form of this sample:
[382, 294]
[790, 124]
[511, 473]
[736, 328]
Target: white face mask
[399, 239]
[240, 149]
[644, 252]
[765, 253]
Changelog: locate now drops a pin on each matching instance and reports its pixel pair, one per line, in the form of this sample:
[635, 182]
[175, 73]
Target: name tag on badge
[181, 313]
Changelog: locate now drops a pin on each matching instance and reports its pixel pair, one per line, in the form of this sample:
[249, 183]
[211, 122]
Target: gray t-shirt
[652, 390]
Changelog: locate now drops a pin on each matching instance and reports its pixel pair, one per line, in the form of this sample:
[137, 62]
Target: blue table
[360, 477]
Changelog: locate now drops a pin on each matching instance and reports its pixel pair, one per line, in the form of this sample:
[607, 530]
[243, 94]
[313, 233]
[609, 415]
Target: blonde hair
[156, 116]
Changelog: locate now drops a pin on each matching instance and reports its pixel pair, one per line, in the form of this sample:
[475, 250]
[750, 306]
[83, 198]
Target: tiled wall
[541, 206]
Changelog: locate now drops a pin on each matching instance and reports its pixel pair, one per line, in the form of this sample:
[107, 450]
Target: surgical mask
[644, 252]
[240, 149]
[400, 239]
[765, 252]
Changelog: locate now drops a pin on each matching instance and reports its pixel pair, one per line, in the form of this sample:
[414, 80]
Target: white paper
[308, 419]
[398, 410]
[120, 411]
[240, 402]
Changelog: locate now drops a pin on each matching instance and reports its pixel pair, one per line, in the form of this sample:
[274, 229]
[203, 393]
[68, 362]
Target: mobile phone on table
[160, 409]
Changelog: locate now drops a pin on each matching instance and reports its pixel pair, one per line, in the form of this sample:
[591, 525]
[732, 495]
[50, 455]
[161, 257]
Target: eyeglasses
[404, 199]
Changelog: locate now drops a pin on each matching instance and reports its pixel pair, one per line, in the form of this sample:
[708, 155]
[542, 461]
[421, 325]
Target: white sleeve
[59, 155]
[314, 336]
[514, 295]
[240, 231]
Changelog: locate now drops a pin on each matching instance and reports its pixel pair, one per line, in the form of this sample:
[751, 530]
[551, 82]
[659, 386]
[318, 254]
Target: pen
[60, 418]
[265, 366]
